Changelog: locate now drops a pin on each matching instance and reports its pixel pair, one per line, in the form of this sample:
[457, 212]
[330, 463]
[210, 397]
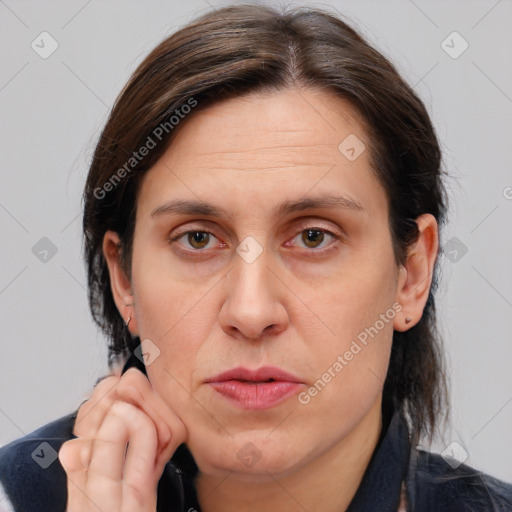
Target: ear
[119, 283]
[415, 276]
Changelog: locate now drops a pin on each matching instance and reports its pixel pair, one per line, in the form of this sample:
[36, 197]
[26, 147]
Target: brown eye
[315, 238]
[198, 239]
[312, 237]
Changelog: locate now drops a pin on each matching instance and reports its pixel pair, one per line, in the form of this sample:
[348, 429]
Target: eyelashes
[187, 235]
[311, 232]
[311, 239]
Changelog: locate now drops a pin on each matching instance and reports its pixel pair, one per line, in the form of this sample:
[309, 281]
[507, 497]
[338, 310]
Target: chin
[250, 457]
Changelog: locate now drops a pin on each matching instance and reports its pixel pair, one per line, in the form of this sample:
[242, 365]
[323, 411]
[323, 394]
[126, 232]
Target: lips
[255, 389]
[263, 374]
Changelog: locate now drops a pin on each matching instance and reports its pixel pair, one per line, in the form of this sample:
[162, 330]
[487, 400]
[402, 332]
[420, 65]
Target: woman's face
[289, 264]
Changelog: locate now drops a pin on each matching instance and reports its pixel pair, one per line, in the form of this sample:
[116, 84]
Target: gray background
[53, 110]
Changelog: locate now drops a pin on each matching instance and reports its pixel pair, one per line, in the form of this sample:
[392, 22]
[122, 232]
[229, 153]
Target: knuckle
[132, 386]
[131, 392]
[64, 453]
[70, 454]
[129, 413]
[104, 384]
[120, 408]
[136, 494]
[132, 376]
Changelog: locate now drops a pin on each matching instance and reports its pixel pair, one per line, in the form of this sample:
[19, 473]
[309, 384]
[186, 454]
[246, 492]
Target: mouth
[263, 374]
[255, 389]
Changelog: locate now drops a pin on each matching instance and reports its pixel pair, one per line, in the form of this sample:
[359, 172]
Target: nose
[253, 306]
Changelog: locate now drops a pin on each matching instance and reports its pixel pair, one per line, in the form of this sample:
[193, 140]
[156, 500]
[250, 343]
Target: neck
[326, 484]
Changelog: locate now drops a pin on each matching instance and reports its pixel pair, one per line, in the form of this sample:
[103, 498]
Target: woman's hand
[126, 435]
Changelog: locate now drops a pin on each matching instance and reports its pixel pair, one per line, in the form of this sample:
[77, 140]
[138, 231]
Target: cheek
[350, 298]
[177, 319]
[349, 372]
[176, 316]
[179, 324]
[164, 298]
[357, 309]
[177, 313]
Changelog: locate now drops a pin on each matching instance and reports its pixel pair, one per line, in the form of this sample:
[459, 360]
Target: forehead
[263, 145]
[271, 125]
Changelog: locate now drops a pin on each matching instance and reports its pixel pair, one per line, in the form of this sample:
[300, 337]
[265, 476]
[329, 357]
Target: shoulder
[435, 485]
[30, 472]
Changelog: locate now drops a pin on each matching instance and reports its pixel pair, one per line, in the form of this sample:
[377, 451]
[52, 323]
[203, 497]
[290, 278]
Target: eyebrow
[326, 201]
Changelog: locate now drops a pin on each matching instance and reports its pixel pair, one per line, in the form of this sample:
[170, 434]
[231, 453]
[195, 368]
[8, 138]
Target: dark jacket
[34, 480]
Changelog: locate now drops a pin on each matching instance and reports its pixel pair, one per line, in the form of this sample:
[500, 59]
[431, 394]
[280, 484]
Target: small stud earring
[408, 320]
[127, 321]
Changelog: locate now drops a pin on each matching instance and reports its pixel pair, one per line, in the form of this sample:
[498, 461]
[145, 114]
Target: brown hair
[248, 48]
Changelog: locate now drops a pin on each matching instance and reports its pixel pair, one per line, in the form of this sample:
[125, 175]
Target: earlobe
[119, 283]
[415, 275]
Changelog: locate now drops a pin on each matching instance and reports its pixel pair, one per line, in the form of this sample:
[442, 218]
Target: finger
[136, 389]
[133, 387]
[92, 412]
[74, 456]
[108, 470]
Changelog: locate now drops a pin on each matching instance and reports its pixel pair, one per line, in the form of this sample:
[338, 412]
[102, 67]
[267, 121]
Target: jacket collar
[381, 486]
